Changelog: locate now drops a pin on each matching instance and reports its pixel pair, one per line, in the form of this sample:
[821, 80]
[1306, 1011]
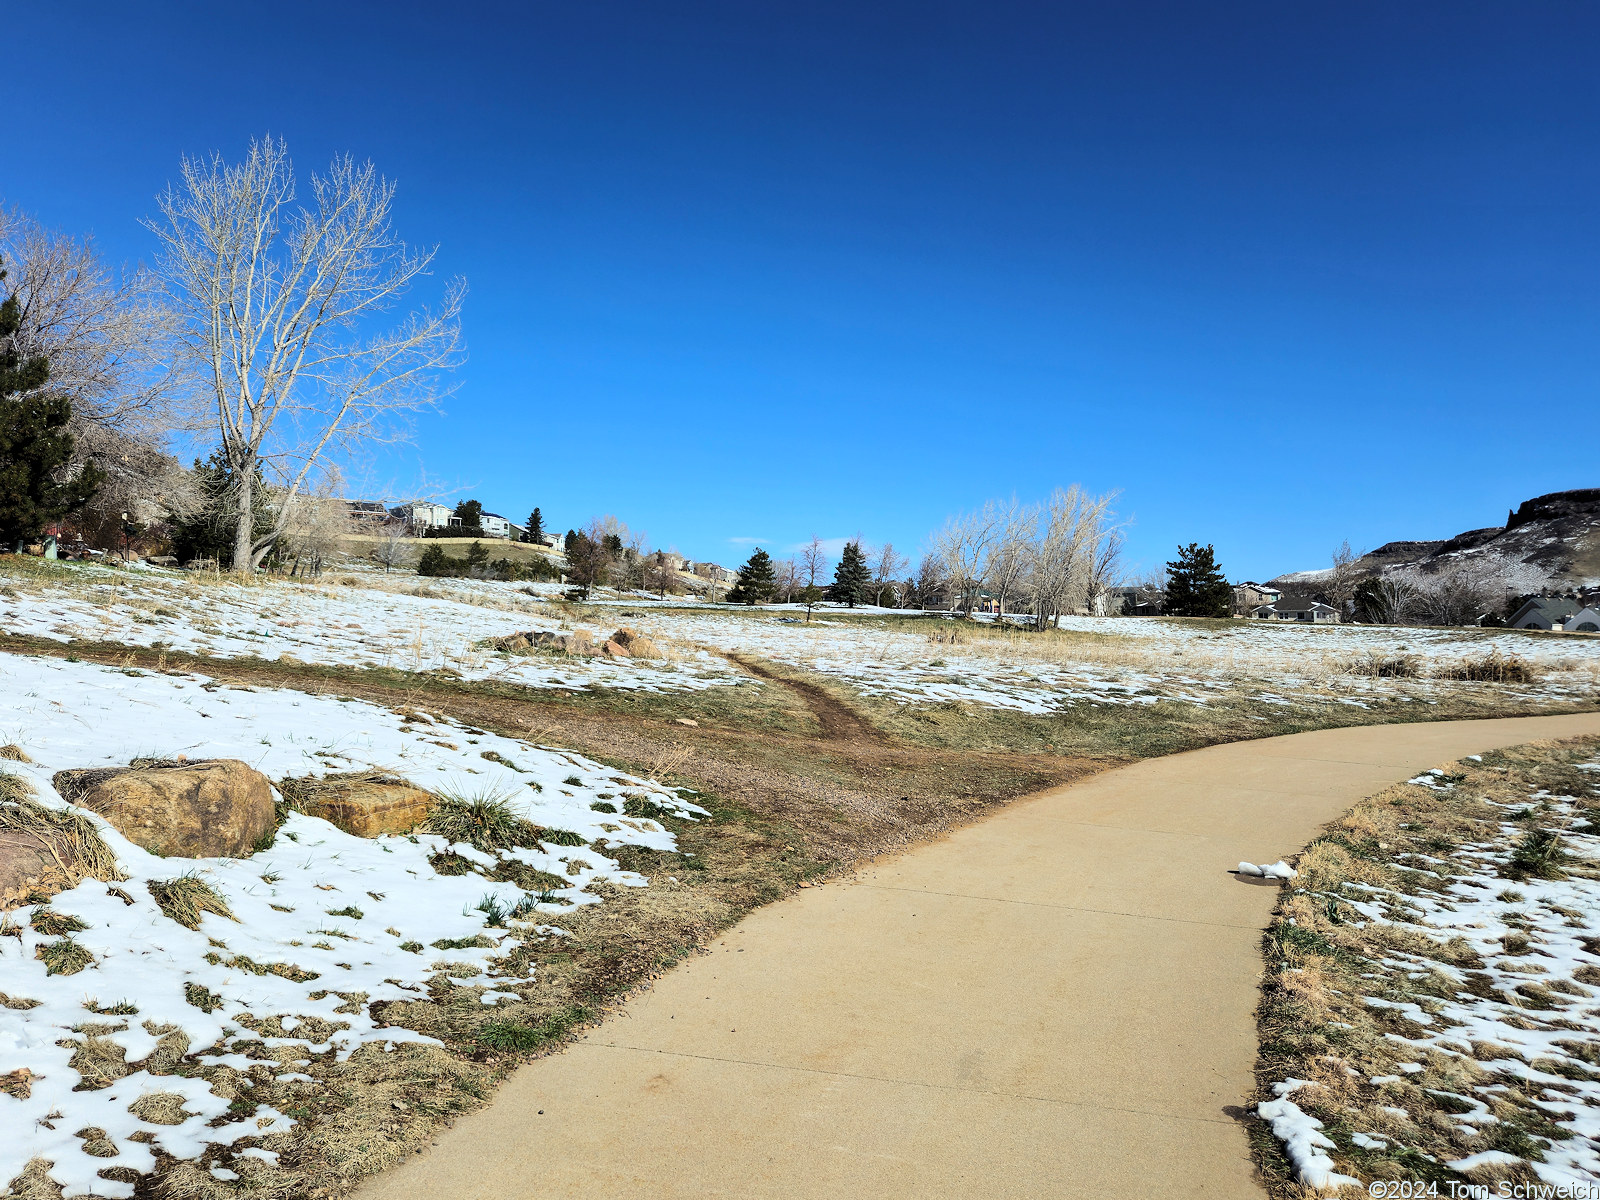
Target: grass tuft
[63, 957]
[484, 822]
[72, 845]
[55, 924]
[185, 898]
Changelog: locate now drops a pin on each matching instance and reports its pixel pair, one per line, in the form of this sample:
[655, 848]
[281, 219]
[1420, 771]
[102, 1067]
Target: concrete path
[1057, 1002]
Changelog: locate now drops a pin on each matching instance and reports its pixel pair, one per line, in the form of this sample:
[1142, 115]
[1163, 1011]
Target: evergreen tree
[435, 562]
[536, 527]
[852, 578]
[470, 514]
[477, 556]
[757, 581]
[208, 530]
[34, 443]
[1196, 586]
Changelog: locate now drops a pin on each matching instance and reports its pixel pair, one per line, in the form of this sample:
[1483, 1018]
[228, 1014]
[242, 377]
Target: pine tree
[207, 530]
[757, 581]
[1196, 586]
[536, 527]
[34, 443]
[470, 514]
[852, 578]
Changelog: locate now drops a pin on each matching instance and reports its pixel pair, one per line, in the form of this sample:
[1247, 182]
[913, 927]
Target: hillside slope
[1548, 542]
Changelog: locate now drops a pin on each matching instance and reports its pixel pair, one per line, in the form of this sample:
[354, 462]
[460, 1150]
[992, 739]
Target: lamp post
[124, 537]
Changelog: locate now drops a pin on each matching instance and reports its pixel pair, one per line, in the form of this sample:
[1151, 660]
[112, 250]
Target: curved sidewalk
[1056, 1002]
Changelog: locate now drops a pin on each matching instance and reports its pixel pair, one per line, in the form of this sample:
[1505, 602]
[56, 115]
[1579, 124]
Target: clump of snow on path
[326, 924]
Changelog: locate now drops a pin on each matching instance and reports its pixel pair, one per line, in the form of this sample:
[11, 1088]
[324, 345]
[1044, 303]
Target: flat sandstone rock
[214, 808]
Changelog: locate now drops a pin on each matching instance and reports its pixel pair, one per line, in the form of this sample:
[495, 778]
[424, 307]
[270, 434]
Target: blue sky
[1283, 274]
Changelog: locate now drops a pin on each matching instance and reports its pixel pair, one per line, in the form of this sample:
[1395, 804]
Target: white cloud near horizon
[750, 541]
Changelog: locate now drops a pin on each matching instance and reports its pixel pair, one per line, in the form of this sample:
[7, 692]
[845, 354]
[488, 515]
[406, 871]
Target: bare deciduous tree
[276, 303]
[315, 526]
[786, 579]
[813, 566]
[1105, 566]
[1063, 556]
[887, 563]
[394, 547]
[1340, 588]
[931, 583]
[1011, 550]
[963, 548]
[110, 346]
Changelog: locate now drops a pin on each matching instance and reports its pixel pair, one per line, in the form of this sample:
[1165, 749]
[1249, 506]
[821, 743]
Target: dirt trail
[1056, 1001]
[839, 722]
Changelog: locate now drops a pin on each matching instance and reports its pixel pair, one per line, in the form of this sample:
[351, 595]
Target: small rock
[689, 721]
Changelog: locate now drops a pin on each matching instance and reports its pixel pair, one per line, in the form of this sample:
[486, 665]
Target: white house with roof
[1297, 608]
[424, 514]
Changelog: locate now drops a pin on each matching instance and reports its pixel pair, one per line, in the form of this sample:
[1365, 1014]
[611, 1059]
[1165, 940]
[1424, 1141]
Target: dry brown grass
[1493, 667]
[1324, 962]
[185, 898]
[67, 839]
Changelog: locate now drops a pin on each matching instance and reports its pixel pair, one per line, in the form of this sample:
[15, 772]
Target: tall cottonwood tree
[282, 307]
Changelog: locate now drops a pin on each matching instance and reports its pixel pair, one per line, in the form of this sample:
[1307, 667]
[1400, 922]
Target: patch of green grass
[561, 837]
[63, 957]
[54, 924]
[518, 1038]
[201, 997]
[349, 910]
[1538, 855]
[643, 806]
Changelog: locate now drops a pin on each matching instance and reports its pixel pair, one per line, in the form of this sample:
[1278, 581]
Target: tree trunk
[243, 556]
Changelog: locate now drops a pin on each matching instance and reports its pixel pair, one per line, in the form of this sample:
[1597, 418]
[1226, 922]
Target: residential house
[1134, 602]
[1585, 620]
[1247, 597]
[1297, 608]
[421, 515]
[1544, 612]
[713, 572]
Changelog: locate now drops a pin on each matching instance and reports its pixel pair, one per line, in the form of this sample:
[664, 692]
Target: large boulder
[212, 808]
[365, 804]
